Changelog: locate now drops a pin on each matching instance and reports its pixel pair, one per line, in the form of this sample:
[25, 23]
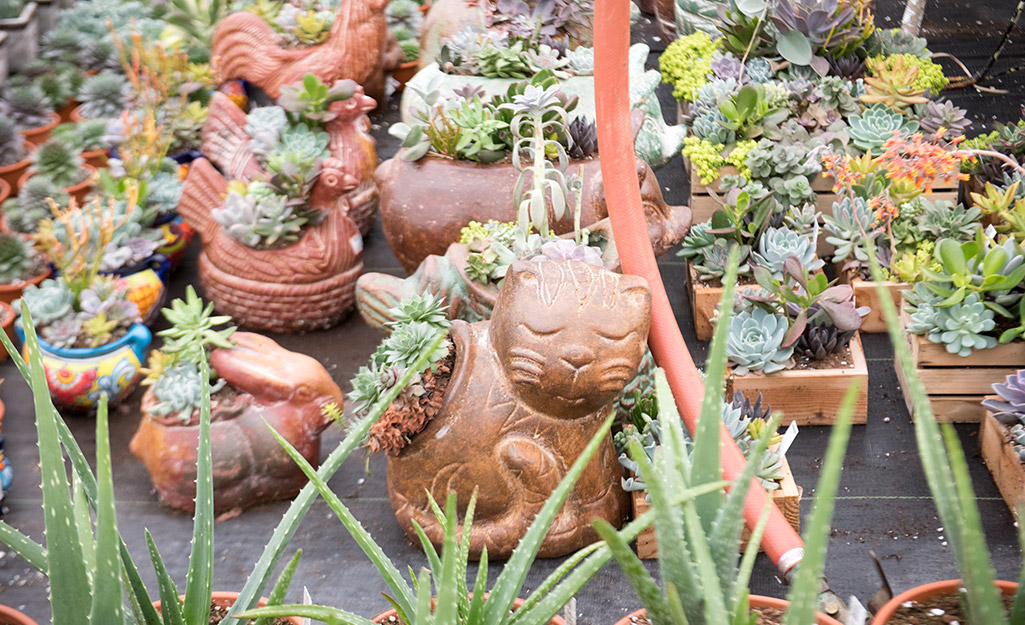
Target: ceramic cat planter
[78, 376]
[425, 204]
[273, 386]
[656, 142]
[528, 390]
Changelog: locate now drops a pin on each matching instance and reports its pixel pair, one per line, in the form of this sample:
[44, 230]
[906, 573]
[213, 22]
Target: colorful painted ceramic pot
[147, 285]
[177, 236]
[78, 376]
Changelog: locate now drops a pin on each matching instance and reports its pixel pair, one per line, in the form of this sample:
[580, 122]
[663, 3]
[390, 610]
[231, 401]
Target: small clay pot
[95, 158]
[11, 174]
[39, 136]
[389, 614]
[7, 318]
[223, 599]
[14, 617]
[11, 292]
[757, 601]
[5, 190]
[78, 191]
[404, 72]
[65, 111]
[275, 387]
[928, 591]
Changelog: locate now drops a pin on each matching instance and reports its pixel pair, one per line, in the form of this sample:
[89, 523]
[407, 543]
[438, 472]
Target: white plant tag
[788, 438]
[856, 613]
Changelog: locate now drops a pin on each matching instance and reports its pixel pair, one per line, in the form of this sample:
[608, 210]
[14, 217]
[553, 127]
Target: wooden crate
[809, 396]
[787, 498]
[703, 302]
[1003, 462]
[956, 385]
[865, 295]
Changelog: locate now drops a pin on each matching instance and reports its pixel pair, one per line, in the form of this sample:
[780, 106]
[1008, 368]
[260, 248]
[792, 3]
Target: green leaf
[448, 585]
[277, 594]
[638, 576]
[170, 605]
[747, 102]
[199, 579]
[751, 8]
[29, 550]
[951, 256]
[994, 261]
[794, 47]
[331, 616]
[107, 606]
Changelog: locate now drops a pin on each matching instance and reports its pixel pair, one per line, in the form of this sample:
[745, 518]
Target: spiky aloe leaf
[449, 586]
[83, 524]
[170, 605]
[635, 571]
[29, 550]
[200, 577]
[277, 594]
[69, 582]
[324, 614]
[294, 515]
[804, 592]
[107, 606]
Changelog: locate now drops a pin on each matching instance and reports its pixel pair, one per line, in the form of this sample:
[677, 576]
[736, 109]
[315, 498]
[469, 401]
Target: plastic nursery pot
[926, 592]
[39, 136]
[78, 191]
[11, 616]
[147, 285]
[226, 600]
[11, 174]
[757, 601]
[388, 615]
[7, 318]
[77, 376]
[11, 292]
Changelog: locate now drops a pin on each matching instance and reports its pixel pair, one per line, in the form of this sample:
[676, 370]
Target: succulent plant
[944, 114]
[503, 61]
[62, 333]
[47, 302]
[755, 342]
[709, 126]
[32, 205]
[711, 94]
[15, 258]
[583, 133]
[85, 136]
[264, 126]
[10, 9]
[299, 145]
[1012, 397]
[26, 106]
[685, 64]
[725, 66]
[714, 259]
[828, 27]
[793, 190]
[697, 240]
[99, 55]
[943, 218]
[12, 144]
[63, 43]
[547, 58]
[758, 70]
[891, 81]
[961, 327]
[777, 244]
[847, 226]
[104, 95]
[838, 94]
[58, 163]
[817, 341]
[897, 41]
[179, 390]
[581, 60]
[878, 123]
[256, 221]
[804, 220]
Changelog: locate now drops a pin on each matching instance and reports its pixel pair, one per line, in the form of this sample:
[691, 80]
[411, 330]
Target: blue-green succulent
[777, 244]
[878, 123]
[755, 342]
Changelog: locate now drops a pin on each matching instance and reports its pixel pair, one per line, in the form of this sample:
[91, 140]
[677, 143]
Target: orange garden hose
[615, 139]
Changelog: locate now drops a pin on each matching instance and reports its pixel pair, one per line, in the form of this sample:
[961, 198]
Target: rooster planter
[269, 385]
[282, 247]
[245, 46]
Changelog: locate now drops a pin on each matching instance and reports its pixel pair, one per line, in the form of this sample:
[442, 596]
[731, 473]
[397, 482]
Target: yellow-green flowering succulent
[686, 63]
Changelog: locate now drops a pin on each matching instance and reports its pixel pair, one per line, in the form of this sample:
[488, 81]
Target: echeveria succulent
[777, 244]
[961, 327]
[48, 302]
[1012, 396]
[755, 342]
[878, 123]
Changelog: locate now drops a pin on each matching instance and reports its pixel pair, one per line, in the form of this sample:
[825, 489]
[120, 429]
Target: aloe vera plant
[946, 472]
[698, 538]
[87, 574]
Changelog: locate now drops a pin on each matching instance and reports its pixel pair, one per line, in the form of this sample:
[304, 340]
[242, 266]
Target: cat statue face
[569, 335]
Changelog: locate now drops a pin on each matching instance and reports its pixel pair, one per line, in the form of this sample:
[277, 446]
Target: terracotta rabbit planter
[425, 204]
[274, 386]
[527, 391]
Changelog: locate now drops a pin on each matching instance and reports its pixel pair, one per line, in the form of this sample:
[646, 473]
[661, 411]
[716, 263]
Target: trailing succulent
[174, 370]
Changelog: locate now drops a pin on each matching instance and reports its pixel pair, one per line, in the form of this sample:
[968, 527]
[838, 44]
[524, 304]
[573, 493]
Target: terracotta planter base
[276, 306]
[11, 174]
[221, 599]
[757, 601]
[926, 592]
[39, 136]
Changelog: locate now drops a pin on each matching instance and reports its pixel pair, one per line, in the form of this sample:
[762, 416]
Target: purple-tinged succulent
[725, 66]
[62, 333]
[567, 249]
[1012, 396]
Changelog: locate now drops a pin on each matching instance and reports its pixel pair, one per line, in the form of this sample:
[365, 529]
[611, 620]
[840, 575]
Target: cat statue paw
[528, 390]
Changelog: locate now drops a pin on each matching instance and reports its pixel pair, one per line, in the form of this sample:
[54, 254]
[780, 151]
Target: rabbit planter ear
[269, 385]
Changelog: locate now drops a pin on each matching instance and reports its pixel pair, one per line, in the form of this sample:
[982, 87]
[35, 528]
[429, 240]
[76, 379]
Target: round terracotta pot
[7, 318]
[275, 387]
[14, 617]
[226, 600]
[11, 292]
[78, 191]
[95, 158]
[387, 614]
[65, 111]
[5, 190]
[76, 114]
[11, 174]
[404, 72]
[926, 592]
[757, 601]
[39, 136]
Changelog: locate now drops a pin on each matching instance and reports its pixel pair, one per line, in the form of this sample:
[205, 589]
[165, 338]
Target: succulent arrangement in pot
[91, 332]
[253, 382]
[14, 154]
[102, 95]
[92, 139]
[59, 81]
[61, 165]
[20, 265]
[405, 21]
[27, 106]
[765, 232]
[281, 243]
[23, 214]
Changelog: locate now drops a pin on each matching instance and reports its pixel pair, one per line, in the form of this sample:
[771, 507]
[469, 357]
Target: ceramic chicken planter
[425, 204]
[528, 390]
[273, 386]
[309, 284]
[245, 46]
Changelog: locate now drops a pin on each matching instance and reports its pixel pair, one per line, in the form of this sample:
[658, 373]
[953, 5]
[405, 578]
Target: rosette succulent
[846, 228]
[715, 258]
[26, 106]
[878, 123]
[581, 61]
[709, 126]
[15, 258]
[820, 340]
[104, 95]
[23, 213]
[47, 302]
[258, 219]
[12, 144]
[299, 145]
[755, 342]
[896, 41]
[777, 244]
[946, 115]
[961, 327]
[264, 125]
[57, 162]
[179, 390]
